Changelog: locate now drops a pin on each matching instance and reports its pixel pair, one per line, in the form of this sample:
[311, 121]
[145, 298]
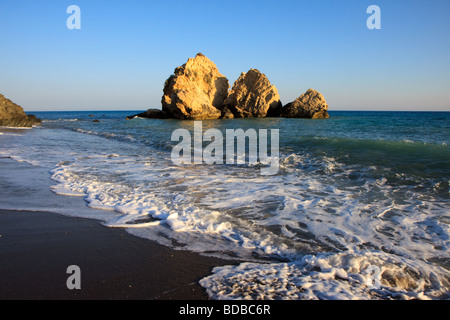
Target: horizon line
[126, 110]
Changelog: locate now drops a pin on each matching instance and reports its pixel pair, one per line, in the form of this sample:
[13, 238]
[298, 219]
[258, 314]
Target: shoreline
[92, 164]
[37, 247]
[42, 233]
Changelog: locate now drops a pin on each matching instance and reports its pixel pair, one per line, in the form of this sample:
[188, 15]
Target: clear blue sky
[125, 51]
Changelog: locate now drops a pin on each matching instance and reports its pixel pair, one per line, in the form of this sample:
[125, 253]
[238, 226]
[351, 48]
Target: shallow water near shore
[360, 191]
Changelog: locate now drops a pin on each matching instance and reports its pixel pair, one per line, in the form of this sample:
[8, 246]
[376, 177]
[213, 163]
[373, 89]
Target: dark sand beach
[37, 247]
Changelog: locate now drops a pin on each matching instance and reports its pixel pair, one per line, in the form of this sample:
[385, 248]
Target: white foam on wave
[107, 135]
[60, 120]
[61, 189]
[10, 133]
[16, 128]
[280, 215]
[26, 160]
[232, 211]
[156, 191]
[217, 212]
[342, 276]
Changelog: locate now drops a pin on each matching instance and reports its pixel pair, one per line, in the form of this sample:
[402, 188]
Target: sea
[359, 207]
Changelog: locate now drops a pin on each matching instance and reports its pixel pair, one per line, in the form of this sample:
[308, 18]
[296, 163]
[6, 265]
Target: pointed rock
[311, 105]
[196, 91]
[12, 115]
[252, 95]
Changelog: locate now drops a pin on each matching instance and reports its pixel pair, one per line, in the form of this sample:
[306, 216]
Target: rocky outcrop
[12, 115]
[252, 95]
[196, 91]
[311, 105]
[151, 114]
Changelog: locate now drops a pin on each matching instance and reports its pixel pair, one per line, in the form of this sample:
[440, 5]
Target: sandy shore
[37, 247]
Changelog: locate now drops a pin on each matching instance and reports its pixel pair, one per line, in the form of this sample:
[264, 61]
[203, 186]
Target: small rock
[311, 105]
[151, 114]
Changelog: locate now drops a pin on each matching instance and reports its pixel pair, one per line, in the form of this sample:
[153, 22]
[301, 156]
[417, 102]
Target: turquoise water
[414, 143]
[357, 190]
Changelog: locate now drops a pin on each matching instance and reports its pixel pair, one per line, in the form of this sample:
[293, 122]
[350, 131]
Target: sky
[125, 50]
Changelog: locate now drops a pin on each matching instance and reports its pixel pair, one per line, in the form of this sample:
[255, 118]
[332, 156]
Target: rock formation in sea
[196, 90]
[152, 114]
[252, 95]
[12, 115]
[311, 105]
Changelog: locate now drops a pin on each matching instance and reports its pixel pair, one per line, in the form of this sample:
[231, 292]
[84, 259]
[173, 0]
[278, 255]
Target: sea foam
[313, 231]
[341, 276]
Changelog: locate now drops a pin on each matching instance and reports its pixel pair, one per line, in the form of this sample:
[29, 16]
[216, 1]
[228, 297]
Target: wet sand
[37, 247]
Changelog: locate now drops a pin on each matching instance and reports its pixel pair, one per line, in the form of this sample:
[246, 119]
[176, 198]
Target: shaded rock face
[151, 114]
[252, 95]
[196, 91]
[311, 105]
[12, 115]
